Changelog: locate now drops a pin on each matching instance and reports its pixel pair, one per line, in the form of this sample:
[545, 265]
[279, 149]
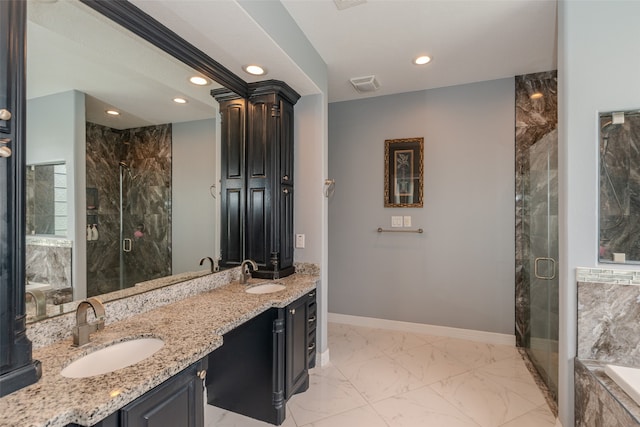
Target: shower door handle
[536, 269]
[126, 245]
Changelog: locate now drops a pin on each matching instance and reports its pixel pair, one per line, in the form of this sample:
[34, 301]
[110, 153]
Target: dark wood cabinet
[296, 362]
[262, 363]
[245, 375]
[257, 178]
[178, 401]
[232, 184]
[312, 322]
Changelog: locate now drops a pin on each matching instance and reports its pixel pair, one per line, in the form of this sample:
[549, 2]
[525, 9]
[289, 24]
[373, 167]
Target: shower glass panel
[541, 215]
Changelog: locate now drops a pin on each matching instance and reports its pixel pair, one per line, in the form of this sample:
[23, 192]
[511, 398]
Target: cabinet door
[232, 192]
[176, 402]
[296, 361]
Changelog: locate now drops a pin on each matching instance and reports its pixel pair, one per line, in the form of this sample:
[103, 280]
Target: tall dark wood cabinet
[233, 112]
[257, 178]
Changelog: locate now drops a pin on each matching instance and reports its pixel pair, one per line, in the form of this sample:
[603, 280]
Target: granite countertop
[191, 329]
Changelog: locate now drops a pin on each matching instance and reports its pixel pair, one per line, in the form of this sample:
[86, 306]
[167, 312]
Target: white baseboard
[420, 328]
[323, 358]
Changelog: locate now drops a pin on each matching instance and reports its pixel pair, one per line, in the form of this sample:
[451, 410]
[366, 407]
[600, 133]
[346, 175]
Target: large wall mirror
[619, 187]
[137, 140]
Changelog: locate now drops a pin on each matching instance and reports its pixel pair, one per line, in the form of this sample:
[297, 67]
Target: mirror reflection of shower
[125, 242]
[130, 170]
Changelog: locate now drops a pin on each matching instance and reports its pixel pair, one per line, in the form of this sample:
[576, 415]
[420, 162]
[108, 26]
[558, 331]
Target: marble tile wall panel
[608, 316]
[620, 187]
[536, 144]
[146, 205]
[599, 402]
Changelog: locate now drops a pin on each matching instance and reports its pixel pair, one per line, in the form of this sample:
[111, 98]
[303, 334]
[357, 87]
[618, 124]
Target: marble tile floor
[382, 378]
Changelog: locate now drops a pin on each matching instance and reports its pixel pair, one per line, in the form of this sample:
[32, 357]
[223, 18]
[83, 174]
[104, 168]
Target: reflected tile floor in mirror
[381, 378]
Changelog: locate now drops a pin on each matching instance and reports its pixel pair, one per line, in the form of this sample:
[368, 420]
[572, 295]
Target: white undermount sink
[265, 288]
[114, 357]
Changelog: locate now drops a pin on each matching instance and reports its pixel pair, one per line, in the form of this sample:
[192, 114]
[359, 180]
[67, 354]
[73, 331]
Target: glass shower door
[541, 211]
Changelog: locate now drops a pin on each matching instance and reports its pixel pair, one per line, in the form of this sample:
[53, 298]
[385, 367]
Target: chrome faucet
[214, 266]
[40, 300]
[245, 273]
[83, 328]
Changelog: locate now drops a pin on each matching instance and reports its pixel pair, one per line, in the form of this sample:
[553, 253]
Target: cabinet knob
[5, 114]
[285, 178]
[202, 374]
[285, 190]
[292, 311]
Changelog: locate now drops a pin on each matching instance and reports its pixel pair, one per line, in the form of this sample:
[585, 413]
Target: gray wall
[598, 68]
[194, 216]
[460, 272]
[56, 131]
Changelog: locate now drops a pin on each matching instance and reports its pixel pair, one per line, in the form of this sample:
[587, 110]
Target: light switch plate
[396, 221]
[300, 241]
[406, 220]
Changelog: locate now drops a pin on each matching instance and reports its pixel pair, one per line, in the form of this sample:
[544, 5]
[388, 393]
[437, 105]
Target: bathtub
[627, 378]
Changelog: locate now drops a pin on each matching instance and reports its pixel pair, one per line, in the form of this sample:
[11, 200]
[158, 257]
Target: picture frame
[403, 173]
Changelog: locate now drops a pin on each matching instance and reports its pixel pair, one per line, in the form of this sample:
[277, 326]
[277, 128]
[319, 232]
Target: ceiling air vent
[365, 84]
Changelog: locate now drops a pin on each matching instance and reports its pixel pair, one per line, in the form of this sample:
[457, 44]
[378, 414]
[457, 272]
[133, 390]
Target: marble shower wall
[620, 187]
[146, 205]
[536, 200]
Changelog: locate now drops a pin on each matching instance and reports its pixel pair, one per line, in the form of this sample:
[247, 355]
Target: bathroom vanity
[192, 328]
[176, 402]
[263, 362]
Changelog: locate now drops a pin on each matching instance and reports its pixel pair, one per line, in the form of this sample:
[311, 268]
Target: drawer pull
[312, 319]
[312, 347]
[312, 294]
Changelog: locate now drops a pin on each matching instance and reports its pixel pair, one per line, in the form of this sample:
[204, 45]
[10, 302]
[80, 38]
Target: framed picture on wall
[403, 172]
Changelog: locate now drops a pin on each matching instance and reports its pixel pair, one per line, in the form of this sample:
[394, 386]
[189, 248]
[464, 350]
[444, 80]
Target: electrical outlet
[406, 220]
[300, 241]
[396, 221]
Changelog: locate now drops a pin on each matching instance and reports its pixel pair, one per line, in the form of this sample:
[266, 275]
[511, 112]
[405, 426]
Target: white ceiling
[469, 40]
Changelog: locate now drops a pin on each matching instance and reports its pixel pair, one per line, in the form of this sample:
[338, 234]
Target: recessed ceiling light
[179, 100]
[421, 60]
[199, 80]
[536, 95]
[255, 70]
[113, 112]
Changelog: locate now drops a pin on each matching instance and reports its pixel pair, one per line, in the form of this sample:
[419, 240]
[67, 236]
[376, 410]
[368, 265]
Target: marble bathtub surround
[608, 316]
[191, 328]
[599, 401]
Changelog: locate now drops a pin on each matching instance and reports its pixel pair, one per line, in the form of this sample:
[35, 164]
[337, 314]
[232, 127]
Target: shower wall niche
[619, 187]
[146, 206]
